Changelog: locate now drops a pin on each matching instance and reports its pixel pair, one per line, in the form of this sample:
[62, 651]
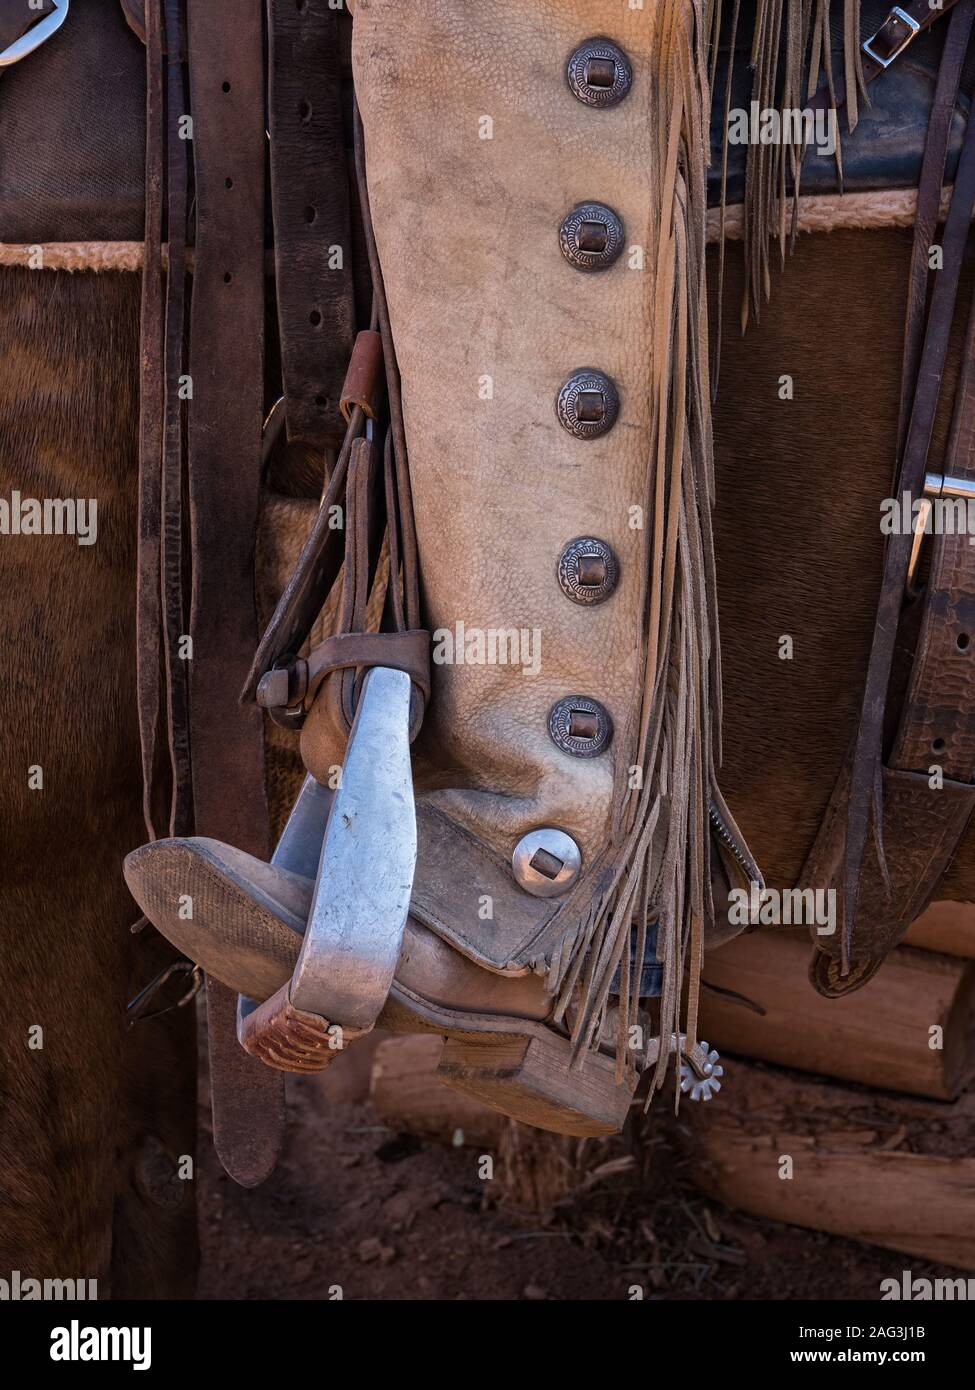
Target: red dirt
[355, 1207]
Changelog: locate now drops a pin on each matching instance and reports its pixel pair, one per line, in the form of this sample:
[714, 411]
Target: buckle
[896, 16]
[36, 35]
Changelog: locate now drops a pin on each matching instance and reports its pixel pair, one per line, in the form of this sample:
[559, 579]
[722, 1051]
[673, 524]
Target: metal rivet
[591, 237]
[599, 73]
[546, 862]
[588, 570]
[580, 726]
[588, 404]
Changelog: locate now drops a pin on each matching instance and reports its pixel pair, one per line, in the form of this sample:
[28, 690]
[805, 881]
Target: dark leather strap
[885, 46]
[16, 18]
[867, 754]
[174, 624]
[896, 34]
[226, 53]
[929, 204]
[310, 200]
[148, 597]
[901, 832]
[366, 511]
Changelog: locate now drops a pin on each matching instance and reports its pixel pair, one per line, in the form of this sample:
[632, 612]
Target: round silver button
[546, 862]
[599, 73]
[588, 570]
[580, 726]
[591, 237]
[588, 403]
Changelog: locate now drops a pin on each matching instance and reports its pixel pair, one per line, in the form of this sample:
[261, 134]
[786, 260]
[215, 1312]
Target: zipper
[736, 846]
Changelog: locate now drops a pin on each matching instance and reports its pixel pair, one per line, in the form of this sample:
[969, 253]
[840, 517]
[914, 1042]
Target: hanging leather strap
[148, 596]
[889, 834]
[901, 27]
[362, 503]
[226, 55]
[310, 202]
[171, 531]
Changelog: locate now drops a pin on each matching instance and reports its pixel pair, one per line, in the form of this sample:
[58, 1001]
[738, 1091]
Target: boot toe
[239, 918]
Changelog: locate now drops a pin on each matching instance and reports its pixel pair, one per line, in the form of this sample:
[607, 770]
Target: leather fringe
[663, 870]
[791, 54]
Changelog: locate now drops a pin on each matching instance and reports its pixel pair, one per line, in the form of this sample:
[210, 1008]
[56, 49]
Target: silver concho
[572, 570]
[572, 243]
[590, 78]
[564, 718]
[572, 400]
[546, 862]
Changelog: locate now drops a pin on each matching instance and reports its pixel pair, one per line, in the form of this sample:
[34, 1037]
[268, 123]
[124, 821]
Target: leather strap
[312, 229]
[174, 624]
[884, 47]
[226, 53]
[911, 828]
[868, 751]
[929, 203]
[364, 384]
[898, 31]
[148, 596]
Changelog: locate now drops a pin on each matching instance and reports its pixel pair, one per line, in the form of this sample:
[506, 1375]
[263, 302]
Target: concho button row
[588, 403]
[588, 570]
[591, 237]
[599, 73]
[580, 726]
[546, 862]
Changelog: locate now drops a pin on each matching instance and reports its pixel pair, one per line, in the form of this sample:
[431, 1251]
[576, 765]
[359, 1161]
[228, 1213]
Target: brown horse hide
[94, 1118]
[799, 545]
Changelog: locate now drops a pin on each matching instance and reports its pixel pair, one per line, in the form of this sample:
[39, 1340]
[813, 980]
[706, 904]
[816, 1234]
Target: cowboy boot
[541, 892]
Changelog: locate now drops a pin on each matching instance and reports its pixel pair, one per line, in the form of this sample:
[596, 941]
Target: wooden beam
[945, 927]
[886, 1170]
[911, 1029]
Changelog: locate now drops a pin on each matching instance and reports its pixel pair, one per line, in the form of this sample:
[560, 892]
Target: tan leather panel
[468, 236]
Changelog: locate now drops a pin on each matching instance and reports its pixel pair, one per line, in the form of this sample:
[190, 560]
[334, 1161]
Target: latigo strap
[891, 830]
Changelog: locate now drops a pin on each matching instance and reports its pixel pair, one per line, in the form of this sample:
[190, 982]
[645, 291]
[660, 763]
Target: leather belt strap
[898, 31]
[226, 54]
[148, 595]
[174, 625]
[914, 829]
[370, 501]
[310, 200]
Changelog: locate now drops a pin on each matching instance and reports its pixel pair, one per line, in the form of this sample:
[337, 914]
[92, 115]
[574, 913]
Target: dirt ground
[358, 1211]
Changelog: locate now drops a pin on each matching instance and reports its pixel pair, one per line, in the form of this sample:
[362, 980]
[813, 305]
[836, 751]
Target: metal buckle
[36, 35]
[914, 28]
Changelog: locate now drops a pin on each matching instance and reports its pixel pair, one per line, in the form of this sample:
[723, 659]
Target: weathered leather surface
[912, 812]
[467, 230]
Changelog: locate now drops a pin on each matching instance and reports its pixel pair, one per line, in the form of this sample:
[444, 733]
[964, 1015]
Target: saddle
[510, 831]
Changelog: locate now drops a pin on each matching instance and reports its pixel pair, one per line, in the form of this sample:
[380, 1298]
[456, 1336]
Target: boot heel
[529, 1079]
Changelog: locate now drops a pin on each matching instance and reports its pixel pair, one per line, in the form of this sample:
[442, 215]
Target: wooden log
[886, 1170]
[881, 1036]
[945, 927]
[409, 1097]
